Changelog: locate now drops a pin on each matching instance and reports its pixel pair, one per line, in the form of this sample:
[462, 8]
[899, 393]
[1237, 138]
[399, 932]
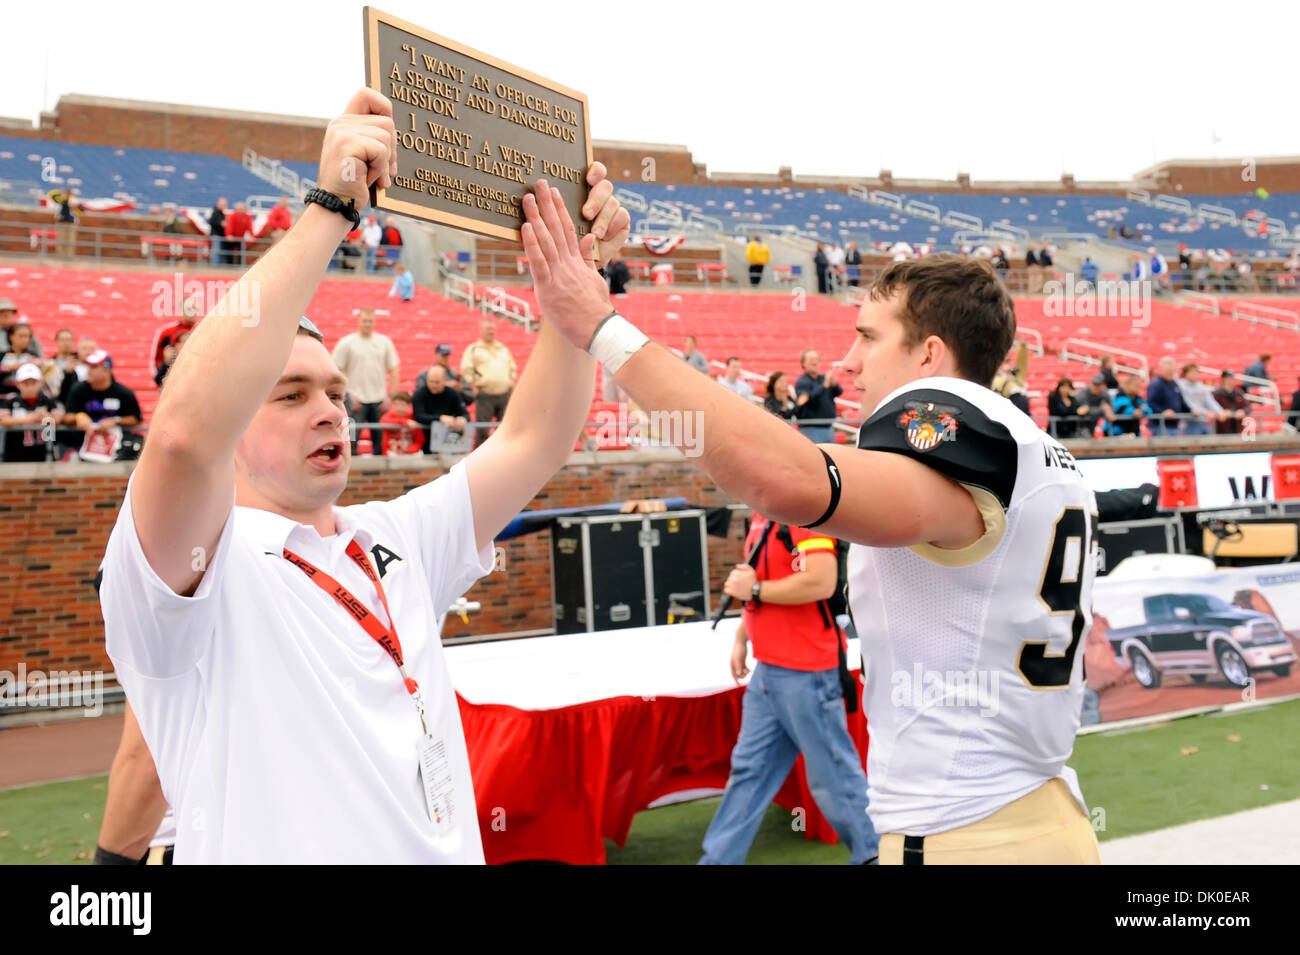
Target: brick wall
[60, 515]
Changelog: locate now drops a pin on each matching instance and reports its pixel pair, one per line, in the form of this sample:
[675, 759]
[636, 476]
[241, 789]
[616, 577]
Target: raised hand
[360, 148]
[570, 292]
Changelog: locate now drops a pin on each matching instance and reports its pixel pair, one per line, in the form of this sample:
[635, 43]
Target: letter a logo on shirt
[383, 557]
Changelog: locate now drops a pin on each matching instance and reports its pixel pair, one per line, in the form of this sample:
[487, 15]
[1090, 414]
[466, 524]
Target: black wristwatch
[753, 593]
[334, 203]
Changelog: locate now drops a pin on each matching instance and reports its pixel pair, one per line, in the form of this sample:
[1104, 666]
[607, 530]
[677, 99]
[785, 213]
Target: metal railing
[101, 243]
[1091, 353]
[1266, 315]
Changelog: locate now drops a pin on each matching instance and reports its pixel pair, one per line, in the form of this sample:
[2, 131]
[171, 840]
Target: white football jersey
[974, 658]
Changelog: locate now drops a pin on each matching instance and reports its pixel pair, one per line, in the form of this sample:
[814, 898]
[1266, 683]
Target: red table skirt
[553, 784]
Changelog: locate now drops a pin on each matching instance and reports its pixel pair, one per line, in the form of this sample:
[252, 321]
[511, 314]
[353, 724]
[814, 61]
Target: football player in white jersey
[971, 582]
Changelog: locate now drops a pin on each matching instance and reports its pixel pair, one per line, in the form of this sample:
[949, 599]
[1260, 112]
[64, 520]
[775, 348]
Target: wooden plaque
[474, 133]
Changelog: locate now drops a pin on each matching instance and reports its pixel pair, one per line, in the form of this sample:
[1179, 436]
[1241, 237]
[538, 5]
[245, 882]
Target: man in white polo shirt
[280, 653]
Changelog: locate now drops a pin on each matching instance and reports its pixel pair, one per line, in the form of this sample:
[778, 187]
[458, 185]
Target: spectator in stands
[694, 358]
[1159, 270]
[370, 362]
[1000, 263]
[1011, 382]
[19, 353]
[350, 249]
[403, 434]
[1095, 404]
[853, 263]
[175, 226]
[403, 284]
[817, 394]
[85, 348]
[1184, 265]
[820, 263]
[442, 358]
[1034, 276]
[1138, 270]
[1088, 271]
[1107, 371]
[1130, 407]
[1200, 401]
[1125, 232]
[1203, 278]
[1165, 400]
[217, 231]
[66, 219]
[1045, 260]
[372, 233]
[732, 381]
[63, 366]
[835, 266]
[100, 403]
[617, 274]
[1234, 403]
[1064, 409]
[170, 353]
[1246, 280]
[278, 221]
[1259, 367]
[488, 369]
[191, 312]
[439, 410]
[778, 400]
[8, 318]
[23, 413]
[392, 244]
[1294, 417]
[239, 226]
[757, 254]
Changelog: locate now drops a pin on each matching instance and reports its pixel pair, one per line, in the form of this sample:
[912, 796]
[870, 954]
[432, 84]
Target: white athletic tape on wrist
[616, 340]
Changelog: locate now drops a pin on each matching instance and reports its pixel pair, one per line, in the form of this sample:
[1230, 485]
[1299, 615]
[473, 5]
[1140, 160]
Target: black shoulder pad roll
[950, 434]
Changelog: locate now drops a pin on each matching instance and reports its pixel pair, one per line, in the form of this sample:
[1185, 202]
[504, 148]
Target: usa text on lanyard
[386, 637]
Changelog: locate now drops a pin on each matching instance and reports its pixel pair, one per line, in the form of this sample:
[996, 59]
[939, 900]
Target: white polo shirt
[281, 731]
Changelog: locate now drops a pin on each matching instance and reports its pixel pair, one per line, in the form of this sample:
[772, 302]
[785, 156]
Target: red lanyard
[386, 637]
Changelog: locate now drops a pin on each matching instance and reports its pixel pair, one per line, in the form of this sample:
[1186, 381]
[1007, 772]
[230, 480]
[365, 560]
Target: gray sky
[1000, 90]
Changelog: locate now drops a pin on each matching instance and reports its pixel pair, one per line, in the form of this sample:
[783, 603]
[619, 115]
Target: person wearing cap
[101, 403]
[281, 653]
[9, 318]
[1094, 403]
[1233, 401]
[442, 358]
[23, 414]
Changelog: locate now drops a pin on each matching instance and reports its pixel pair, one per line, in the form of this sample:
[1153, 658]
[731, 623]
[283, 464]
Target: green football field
[1136, 781]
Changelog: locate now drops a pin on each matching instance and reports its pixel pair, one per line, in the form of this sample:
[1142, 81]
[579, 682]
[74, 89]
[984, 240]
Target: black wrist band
[333, 203]
[104, 857]
[833, 473]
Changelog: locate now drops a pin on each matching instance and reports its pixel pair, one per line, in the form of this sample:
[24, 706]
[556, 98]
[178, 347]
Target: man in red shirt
[794, 702]
[239, 224]
[278, 221]
[191, 312]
